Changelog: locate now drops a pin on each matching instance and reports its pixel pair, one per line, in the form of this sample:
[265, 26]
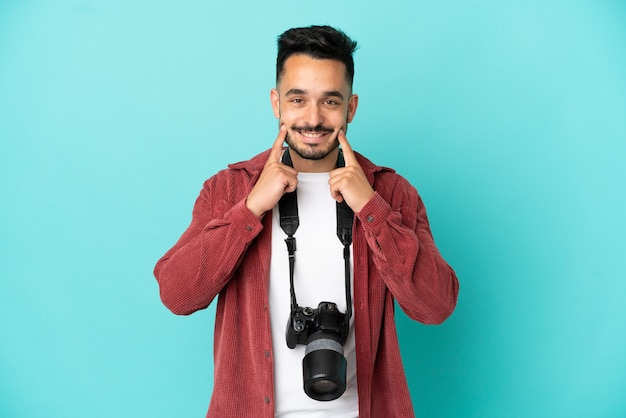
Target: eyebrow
[298, 92]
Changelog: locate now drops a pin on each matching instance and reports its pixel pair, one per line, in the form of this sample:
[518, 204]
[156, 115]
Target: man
[235, 247]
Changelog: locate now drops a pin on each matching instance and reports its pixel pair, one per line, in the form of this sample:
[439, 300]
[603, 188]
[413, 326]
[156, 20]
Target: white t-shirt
[319, 276]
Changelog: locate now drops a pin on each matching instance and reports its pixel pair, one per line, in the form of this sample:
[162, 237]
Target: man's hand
[349, 183]
[276, 179]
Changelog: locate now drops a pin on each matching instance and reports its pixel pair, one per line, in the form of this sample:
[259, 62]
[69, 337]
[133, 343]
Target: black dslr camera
[324, 331]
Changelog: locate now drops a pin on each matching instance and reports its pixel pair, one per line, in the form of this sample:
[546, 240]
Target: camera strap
[289, 222]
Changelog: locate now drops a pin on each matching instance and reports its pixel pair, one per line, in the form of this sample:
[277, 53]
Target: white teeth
[312, 134]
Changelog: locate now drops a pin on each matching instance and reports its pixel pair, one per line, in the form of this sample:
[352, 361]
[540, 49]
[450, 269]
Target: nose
[313, 115]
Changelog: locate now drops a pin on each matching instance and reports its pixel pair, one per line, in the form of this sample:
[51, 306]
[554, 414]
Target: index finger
[348, 153]
[277, 147]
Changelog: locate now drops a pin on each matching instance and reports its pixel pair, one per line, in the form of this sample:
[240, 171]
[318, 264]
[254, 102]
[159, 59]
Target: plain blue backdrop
[509, 118]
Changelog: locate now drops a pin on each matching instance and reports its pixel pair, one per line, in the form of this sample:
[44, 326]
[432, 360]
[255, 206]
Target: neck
[304, 165]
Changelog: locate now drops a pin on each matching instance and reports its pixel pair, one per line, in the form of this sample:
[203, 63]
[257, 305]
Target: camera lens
[324, 368]
[323, 387]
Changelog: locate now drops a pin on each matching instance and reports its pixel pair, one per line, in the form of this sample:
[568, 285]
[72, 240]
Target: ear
[353, 103]
[275, 99]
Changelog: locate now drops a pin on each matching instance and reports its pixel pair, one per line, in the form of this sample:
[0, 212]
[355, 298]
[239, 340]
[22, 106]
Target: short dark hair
[320, 42]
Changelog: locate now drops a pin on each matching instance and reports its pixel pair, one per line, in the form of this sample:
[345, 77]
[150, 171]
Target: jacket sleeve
[208, 253]
[405, 255]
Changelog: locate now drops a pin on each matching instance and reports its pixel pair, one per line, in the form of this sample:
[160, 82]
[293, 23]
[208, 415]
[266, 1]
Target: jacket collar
[255, 165]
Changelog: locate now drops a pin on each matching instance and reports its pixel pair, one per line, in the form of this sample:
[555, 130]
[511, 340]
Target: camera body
[326, 321]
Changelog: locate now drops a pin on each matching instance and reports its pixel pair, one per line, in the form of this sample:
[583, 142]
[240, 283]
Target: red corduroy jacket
[226, 251]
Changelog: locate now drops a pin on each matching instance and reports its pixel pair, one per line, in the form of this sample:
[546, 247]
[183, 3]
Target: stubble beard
[313, 152]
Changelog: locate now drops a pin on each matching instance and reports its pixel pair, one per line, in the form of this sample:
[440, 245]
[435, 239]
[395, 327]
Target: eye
[331, 102]
[296, 100]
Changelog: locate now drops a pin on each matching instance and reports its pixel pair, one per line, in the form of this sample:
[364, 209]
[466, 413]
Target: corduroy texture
[226, 251]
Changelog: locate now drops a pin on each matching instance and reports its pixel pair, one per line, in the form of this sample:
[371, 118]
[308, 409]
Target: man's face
[314, 100]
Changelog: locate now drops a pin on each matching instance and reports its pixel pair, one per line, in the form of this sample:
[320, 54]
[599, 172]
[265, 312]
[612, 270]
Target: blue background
[509, 118]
